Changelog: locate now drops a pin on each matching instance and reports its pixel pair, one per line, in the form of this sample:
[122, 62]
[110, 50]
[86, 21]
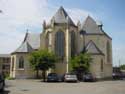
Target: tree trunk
[44, 75]
[37, 73]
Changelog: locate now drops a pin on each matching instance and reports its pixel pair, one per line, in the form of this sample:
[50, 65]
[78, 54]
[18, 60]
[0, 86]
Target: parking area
[38, 87]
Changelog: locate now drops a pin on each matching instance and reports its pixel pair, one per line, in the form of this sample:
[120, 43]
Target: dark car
[2, 82]
[88, 77]
[53, 77]
[117, 75]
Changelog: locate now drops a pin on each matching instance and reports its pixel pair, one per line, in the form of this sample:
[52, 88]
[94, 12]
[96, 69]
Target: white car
[70, 77]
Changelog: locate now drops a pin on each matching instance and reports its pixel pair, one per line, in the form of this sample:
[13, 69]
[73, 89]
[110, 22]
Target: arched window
[12, 63]
[59, 43]
[102, 65]
[108, 51]
[21, 62]
[73, 44]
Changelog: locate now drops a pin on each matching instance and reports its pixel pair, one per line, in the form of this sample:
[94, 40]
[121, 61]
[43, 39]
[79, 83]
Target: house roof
[90, 26]
[92, 48]
[24, 48]
[31, 42]
[61, 16]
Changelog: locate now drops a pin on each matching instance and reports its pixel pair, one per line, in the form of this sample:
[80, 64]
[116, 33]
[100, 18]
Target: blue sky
[20, 15]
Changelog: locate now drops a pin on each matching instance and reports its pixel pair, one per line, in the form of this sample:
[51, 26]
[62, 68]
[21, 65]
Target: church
[66, 39]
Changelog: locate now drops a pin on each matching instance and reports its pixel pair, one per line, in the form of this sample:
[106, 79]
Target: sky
[18, 16]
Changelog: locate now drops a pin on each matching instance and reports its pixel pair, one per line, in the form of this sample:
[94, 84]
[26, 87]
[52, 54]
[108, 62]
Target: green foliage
[46, 60]
[42, 60]
[122, 67]
[81, 61]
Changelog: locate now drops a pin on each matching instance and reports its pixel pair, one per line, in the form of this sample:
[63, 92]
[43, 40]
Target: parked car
[2, 82]
[116, 75]
[53, 77]
[123, 75]
[70, 77]
[88, 77]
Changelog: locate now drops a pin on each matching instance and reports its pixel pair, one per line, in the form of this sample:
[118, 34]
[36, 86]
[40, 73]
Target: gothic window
[101, 65]
[21, 62]
[108, 51]
[59, 43]
[72, 43]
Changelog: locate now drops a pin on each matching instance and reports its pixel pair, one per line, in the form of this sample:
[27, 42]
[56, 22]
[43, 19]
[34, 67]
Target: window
[72, 44]
[21, 62]
[59, 43]
[101, 65]
[108, 51]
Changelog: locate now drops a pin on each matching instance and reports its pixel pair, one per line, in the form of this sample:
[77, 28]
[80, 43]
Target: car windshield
[70, 74]
[1, 77]
[52, 74]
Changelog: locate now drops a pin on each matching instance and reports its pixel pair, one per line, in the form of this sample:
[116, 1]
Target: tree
[42, 60]
[122, 67]
[80, 64]
[34, 63]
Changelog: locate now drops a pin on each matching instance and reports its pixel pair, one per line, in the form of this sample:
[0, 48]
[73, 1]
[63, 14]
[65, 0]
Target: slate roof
[31, 42]
[61, 16]
[90, 26]
[24, 48]
[92, 48]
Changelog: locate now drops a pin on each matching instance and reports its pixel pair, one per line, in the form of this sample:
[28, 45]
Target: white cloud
[17, 14]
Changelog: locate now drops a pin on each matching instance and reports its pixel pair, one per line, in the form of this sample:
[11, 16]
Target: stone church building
[62, 36]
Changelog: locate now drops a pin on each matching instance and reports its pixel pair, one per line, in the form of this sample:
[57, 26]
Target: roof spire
[27, 31]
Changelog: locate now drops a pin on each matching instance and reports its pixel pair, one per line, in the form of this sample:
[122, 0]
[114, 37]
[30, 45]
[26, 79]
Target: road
[38, 87]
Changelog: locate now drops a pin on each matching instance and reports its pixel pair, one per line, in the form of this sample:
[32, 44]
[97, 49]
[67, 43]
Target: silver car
[70, 77]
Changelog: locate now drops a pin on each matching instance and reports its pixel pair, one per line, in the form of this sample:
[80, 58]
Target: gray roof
[24, 48]
[92, 48]
[31, 42]
[5, 55]
[90, 26]
[61, 16]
